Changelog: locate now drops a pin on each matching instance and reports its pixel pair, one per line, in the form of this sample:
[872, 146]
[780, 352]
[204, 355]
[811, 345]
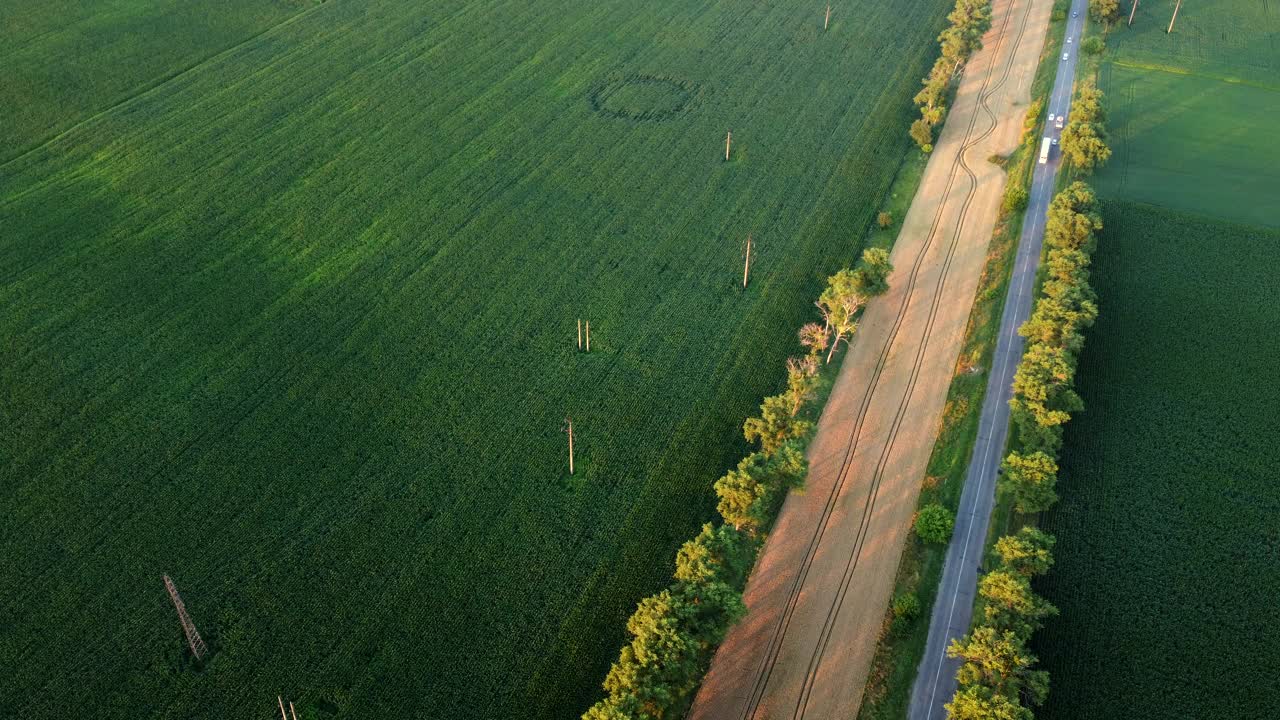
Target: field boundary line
[1175, 70]
[154, 85]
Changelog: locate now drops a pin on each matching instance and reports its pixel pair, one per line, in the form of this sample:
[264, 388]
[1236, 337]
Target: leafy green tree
[1104, 10]
[1029, 552]
[658, 667]
[991, 658]
[934, 523]
[1043, 398]
[906, 608]
[1085, 145]
[802, 382]
[1073, 218]
[1093, 45]
[922, 133]
[776, 424]
[1009, 604]
[721, 554]
[979, 703]
[743, 497]
[1015, 198]
[1031, 120]
[873, 272]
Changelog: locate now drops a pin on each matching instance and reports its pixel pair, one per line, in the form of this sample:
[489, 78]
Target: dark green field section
[61, 61]
[1167, 567]
[1193, 143]
[297, 328]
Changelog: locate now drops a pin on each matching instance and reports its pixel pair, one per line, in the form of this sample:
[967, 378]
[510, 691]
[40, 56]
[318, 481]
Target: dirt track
[819, 593]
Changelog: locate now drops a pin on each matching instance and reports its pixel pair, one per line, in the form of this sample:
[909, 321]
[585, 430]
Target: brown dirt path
[818, 595]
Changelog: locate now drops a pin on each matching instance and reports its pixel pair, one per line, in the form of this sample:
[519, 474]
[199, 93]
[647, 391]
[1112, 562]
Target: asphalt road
[953, 608]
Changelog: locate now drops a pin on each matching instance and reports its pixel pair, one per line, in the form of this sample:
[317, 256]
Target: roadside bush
[1015, 198]
[884, 219]
[934, 523]
[1031, 120]
[1093, 45]
[906, 608]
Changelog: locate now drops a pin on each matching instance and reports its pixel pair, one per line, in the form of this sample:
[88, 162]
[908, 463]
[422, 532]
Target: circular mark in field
[643, 97]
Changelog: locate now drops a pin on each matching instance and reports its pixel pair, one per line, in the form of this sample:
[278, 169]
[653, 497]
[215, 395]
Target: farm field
[1168, 551]
[65, 60]
[296, 327]
[1191, 113]
[1237, 40]
[1193, 143]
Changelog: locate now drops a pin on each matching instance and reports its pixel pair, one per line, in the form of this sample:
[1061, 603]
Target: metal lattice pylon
[198, 648]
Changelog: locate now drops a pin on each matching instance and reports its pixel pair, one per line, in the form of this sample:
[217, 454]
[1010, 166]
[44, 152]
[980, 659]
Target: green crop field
[1191, 113]
[64, 60]
[1168, 553]
[290, 315]
[1192, 142]
[1233, 39]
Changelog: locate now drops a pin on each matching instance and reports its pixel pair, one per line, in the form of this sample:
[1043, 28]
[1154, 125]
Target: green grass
[1193, 143]
[65, 60]
[1168, 557]
[297, 326]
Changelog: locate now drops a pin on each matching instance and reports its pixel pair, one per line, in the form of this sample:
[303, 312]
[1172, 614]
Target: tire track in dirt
[846, 581]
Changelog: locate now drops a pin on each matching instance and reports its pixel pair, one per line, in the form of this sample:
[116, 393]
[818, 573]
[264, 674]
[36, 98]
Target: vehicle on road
[1066, 55]
[1061, 119]
[1051, 116]
[1075, 14]
[1044, 150]
[1055, 141]
[1068, 41]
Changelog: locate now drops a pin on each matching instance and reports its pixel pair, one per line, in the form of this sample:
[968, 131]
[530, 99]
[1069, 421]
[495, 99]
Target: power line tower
[198, 648]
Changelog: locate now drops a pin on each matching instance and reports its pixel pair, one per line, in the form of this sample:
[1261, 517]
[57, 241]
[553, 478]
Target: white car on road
[1066, 55]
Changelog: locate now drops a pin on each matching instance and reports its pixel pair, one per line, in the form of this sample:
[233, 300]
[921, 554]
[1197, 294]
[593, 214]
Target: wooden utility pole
[579, 334]
[588, 336]
[568, 427]
[292, 714]
[1133, 10]
[282, 715]
[827, 21]
[198, 648]
[746, 268]
[1175, 17]
[727, 139]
